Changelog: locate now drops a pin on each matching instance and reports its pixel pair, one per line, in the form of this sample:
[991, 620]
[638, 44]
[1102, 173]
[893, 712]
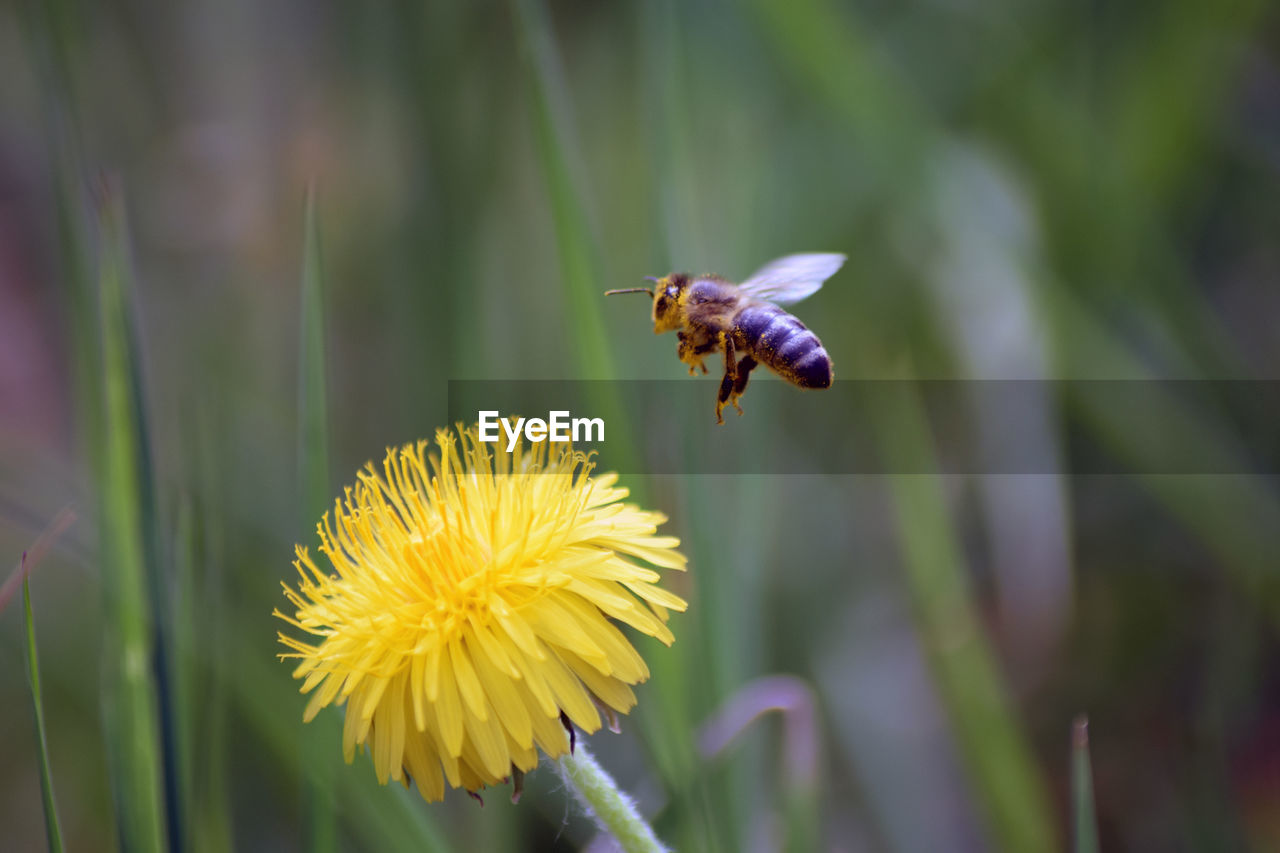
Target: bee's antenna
[650, 278]
[647, 290]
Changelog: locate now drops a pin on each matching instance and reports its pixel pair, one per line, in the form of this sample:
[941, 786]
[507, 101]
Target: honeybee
[712, 314]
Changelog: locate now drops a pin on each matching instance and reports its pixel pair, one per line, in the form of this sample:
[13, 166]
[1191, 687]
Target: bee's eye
[671, 291]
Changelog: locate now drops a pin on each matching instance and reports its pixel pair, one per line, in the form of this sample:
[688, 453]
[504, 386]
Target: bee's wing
[792, 278]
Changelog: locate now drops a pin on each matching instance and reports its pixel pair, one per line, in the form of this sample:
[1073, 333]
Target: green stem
[33, 679]
[613, 810]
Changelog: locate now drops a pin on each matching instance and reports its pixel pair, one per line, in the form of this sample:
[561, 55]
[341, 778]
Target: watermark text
[558, 426]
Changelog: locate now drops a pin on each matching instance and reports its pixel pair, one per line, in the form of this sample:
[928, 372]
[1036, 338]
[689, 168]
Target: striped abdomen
[782, 343]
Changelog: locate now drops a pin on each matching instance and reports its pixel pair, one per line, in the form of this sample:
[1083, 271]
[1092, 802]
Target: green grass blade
[1083, 816]
[313, 405]
[53, 829]
[675, 175]
[992, 743]
[313, 470]
[580, 266]
[130, 691]
[579, 260]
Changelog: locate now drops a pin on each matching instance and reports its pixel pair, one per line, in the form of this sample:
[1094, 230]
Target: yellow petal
[448, 712]
[508, 705]
[607, 689]
[468, 685]
[490, 745]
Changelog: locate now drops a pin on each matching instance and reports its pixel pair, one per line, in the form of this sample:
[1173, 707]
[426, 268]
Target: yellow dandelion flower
[470, 608]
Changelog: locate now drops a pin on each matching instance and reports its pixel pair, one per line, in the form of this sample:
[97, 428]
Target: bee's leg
[730, 375]
[740, 384]
[684, 350]
[689, 353]
[703, 350]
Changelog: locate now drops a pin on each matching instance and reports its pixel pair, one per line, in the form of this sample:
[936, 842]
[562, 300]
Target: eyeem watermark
[558, 426]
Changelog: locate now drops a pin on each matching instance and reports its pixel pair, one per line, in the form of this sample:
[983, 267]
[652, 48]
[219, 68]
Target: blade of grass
[104, 375]
[580, 265]
[313, 405]
[1083, 817]
[668, 131]
[53, 829]
[993, 746]
[130, 691]
[579, 261]
[313, 470]
[20, 578]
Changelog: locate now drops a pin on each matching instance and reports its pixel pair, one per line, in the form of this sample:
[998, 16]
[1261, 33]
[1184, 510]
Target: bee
[712, 314]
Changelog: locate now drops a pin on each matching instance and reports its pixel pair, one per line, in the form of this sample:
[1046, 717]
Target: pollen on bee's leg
[725, 394]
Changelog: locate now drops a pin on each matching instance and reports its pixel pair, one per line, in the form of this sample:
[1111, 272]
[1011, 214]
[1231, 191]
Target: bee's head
[668, 312]
[668, 298]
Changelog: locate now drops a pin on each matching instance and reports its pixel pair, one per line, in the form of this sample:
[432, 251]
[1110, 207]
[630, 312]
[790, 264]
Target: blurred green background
[1025, 190]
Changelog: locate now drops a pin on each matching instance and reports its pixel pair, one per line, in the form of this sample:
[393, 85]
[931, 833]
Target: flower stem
[613, 810]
